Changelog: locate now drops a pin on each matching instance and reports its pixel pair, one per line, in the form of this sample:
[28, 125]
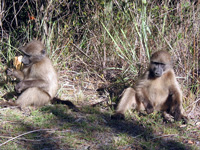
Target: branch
[23, 135]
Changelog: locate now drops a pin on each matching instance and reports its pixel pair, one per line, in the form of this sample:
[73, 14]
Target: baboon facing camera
[38, 79]
[157, 90]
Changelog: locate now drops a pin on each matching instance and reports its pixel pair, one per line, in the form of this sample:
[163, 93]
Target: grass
[100, 45]
[57, 127]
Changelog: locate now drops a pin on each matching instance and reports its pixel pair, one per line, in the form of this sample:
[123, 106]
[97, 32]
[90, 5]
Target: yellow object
[17, 62]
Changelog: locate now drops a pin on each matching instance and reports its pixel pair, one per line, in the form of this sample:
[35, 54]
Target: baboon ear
[43, 52]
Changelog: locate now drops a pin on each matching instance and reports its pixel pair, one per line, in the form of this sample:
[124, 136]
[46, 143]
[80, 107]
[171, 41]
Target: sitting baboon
[38, 79]
[157, 90]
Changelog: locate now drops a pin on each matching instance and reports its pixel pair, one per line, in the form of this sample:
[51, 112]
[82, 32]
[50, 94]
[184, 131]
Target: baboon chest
[158, 92]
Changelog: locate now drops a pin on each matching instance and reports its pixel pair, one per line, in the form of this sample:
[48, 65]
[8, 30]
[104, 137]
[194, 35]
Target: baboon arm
[176, 93]
[177, 109]
[30, 83]
[16, 73]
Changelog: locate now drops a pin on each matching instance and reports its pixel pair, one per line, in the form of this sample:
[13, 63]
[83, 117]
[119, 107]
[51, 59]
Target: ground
[55, 127]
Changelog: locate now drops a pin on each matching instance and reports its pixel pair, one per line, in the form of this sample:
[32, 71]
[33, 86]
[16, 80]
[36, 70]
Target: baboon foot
[168, 118]
[149, 108]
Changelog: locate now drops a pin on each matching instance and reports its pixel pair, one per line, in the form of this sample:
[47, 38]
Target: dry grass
[105, 45]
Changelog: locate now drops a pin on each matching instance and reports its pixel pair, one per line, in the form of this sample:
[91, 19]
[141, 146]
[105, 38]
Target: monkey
[38, 80]
[156, 90]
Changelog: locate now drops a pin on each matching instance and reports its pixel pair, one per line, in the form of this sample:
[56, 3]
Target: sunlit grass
[86, 41]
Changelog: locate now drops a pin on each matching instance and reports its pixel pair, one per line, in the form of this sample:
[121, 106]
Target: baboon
[38, 81]
[157, 90]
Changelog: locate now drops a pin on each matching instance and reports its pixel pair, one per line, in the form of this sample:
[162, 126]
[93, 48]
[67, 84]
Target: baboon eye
[155, 63]
[26, 55]
[158, 63]
[43, 52]
[162, 65]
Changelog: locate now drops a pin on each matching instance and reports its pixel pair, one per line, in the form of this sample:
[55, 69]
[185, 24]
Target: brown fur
[38, 80]
[155, 93]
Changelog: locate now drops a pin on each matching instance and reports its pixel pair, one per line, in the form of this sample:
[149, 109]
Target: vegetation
[99, 47]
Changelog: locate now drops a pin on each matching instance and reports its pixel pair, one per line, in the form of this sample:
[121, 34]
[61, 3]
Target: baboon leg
[126, 102]
[33, 97]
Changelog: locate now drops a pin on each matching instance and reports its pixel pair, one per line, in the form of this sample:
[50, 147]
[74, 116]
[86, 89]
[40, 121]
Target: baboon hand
[10, 71]
[19, 87]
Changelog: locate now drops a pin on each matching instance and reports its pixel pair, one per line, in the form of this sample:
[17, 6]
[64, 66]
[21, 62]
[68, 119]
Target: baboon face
[160, 62]
[157, 69]
[33, 52]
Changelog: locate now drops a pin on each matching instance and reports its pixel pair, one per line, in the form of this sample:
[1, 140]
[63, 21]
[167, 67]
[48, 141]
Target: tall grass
[97, 37]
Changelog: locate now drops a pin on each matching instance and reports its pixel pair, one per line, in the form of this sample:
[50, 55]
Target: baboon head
[34, 52]
[160, 62]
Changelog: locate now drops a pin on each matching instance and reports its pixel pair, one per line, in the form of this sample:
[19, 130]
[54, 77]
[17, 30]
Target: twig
[15, 15]
[20, 139]
[193, 103]
[10, 107]
[165, 136]
[83, 52]
[98, 103]
[23, 135]
[160, 32]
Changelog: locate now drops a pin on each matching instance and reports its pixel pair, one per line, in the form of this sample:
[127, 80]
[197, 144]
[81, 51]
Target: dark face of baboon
[33, 52]
[160, 62]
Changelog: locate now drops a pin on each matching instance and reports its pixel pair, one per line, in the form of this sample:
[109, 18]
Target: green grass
[89, 127]
[95, 44]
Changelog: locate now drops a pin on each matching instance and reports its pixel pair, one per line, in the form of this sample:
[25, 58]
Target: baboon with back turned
[157, 90]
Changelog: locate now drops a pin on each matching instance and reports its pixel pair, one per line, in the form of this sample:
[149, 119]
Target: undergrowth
[100, 45]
